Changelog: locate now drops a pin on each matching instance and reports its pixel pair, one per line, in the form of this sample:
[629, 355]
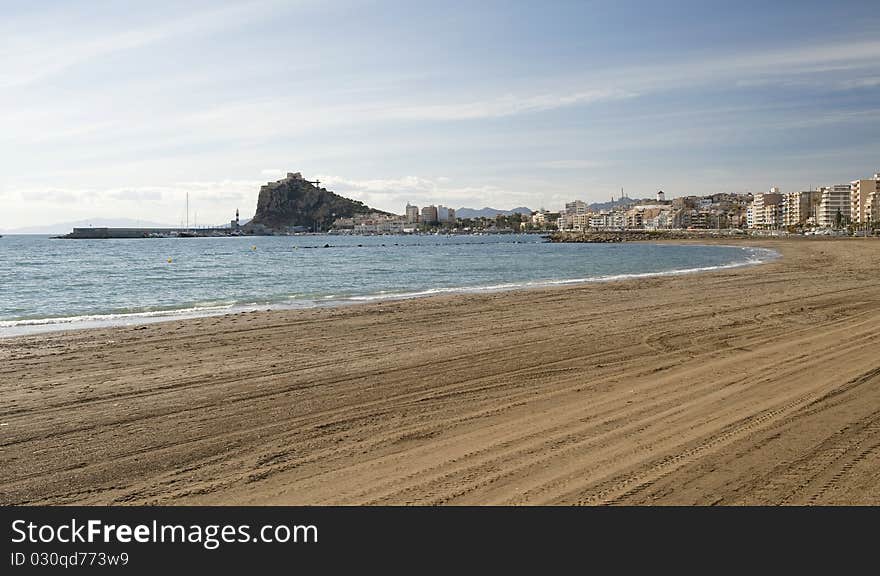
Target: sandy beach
[757, 385]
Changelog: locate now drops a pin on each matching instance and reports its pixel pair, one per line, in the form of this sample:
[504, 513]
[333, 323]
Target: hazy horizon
[118, 110]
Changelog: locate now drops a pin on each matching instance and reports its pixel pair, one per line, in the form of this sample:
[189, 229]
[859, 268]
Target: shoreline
[29, 327]
[753, 385]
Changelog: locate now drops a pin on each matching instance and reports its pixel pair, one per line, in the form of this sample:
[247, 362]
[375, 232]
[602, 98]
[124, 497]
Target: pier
[98, 233]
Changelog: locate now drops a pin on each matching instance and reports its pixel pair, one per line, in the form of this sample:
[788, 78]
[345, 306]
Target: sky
[121, 109]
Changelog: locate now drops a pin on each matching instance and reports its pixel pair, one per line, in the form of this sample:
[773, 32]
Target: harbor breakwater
[614, 236]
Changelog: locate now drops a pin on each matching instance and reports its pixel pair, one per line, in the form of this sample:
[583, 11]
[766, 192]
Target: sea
[54, 284]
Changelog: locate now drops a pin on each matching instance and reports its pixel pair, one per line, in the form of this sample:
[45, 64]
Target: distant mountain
[490, 212]
[295, 201]
[65, 227]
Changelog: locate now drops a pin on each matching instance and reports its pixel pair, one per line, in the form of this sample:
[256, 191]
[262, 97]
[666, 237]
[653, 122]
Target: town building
[429, 215]
[865, 201]
[576, 207]
[640, 213]
[412, 214]
[445, 214]
[766, 210]
[835, 206]
[539, 218]
[799, 208]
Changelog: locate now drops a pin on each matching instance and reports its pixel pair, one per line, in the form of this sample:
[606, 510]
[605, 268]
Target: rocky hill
[295, 201]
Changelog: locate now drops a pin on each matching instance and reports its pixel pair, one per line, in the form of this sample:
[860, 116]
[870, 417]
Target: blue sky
[121, 108]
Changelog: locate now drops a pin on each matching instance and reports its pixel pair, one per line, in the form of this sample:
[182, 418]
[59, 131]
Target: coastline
[732, 386]
[24, 327]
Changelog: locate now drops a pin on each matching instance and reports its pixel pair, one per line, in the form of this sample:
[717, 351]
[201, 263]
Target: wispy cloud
[572, 164]
[214, 201]
[33, 54]
[507, 105]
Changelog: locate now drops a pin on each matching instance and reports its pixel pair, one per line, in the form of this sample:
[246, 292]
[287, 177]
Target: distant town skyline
[120, 110]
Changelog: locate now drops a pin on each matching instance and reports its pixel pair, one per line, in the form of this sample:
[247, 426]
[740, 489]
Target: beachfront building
[573, 221]
[694, 218]
[835, 206]
[429, 215]
[607, 219]
[539, 218]
[600, 220]
[412, 214]
[562, 223]
[572, 218]
[580, 221]
[865, 201]
[445, 215]
[766, 210]
[799, 208]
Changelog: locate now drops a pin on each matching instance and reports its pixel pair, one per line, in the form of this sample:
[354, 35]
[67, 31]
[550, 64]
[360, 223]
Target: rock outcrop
[296, 202]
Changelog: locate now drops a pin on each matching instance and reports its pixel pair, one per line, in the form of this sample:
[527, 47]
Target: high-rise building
[445, 214]
[799, 207]
[412, 214]
[835, 206]
[429, 215]
[767, 210]
[865, 200]
[576, 207]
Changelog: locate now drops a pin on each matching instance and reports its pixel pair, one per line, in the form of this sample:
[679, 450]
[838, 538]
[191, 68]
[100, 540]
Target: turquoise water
[51, 284]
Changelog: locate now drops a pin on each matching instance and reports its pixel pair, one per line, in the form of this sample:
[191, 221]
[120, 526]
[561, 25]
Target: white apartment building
[766, 210]
[614, 219]
[576, 207]
[600, 220]
[539, 218]
[835, 200]
[445, 214]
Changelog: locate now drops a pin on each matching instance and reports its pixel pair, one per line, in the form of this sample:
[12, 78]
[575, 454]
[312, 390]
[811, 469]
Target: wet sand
[756, 385]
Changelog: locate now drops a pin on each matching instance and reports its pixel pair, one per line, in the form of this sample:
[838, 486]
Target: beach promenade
[757, 385]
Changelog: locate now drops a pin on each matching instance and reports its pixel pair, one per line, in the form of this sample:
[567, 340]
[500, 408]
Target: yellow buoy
[253, 247]
[170, 260]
